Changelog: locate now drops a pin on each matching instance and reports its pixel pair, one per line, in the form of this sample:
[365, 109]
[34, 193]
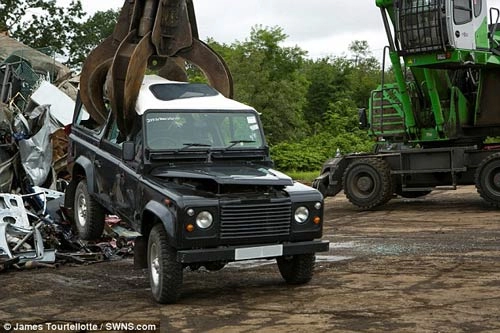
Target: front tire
[297, 269]
[165, 273]
[367, 183]
[88, 213]
[487, 179]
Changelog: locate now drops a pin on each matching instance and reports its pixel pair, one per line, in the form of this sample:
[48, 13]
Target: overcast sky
[321, 27]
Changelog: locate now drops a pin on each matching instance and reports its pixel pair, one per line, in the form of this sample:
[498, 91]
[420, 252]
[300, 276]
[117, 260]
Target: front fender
[329, 183]
[154, 208]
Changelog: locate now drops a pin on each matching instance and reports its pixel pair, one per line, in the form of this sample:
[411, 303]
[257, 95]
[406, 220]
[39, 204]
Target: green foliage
[310, 154]
[305, 177]
[269, 77]
[89, 34]
[52, 25]
[340, 132]
[64, 29]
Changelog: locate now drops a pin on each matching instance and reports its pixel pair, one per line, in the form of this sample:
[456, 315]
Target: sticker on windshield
[254, 127]
[158, 119]
[252, 120]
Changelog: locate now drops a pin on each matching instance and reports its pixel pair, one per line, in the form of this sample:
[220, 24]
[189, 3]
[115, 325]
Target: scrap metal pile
[36, 103]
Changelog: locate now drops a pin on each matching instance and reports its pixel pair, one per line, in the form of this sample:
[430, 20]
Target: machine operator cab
[452, 30]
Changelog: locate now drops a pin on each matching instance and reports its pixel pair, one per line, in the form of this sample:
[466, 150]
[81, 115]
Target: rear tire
[297, 269]
[367, 183]
[69, 199]
[487, 179]
[165, 273]
[88, 213]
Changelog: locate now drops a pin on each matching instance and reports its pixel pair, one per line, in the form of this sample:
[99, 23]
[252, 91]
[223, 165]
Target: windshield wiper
[189, 145]
[235, 142]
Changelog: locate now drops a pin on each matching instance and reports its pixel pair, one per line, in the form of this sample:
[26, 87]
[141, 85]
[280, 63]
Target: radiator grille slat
[255, 220]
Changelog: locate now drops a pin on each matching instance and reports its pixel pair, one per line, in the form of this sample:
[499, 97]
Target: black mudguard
[329, 183]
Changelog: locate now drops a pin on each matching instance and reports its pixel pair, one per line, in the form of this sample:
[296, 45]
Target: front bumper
[236, 253]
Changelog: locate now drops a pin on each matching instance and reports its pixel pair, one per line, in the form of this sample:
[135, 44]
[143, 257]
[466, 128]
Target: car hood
[224, 174]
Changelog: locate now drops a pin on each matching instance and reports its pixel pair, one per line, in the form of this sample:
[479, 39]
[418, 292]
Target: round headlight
[204, 220]
[301, 214]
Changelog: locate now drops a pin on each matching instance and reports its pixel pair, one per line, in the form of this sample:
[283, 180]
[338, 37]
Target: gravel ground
[419, 265]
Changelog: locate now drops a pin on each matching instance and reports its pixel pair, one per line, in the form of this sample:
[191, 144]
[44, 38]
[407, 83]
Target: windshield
[186, 130]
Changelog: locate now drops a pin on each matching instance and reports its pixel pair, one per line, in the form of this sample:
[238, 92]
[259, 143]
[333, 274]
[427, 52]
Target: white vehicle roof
[148, 101]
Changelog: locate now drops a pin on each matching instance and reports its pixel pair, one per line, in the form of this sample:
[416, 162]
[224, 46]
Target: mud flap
[329, 183]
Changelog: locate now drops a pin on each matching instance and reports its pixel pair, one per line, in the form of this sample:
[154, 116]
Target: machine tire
[367, 183]
[297, 269]
[487, 179]
[88, 213]
[413, 194]
[165, 273]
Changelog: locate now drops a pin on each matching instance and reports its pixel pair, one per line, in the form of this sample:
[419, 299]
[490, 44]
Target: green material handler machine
[432, 123]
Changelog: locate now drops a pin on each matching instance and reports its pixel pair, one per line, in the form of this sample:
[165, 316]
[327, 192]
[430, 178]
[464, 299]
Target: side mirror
[128, 151]
[363, 119]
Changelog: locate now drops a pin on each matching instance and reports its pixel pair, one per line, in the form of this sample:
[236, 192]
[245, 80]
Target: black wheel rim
[363, 184]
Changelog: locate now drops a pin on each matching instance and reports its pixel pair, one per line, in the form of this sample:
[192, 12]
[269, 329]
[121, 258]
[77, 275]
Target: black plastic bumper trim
[228, 253]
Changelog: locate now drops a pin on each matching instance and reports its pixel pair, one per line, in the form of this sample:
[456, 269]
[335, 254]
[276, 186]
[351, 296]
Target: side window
[83, 120]
[477, 7]
[462, 11]
[113, 135]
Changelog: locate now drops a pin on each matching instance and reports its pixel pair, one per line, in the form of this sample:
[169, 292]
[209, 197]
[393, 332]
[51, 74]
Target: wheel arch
[154, 213]
[83, 168]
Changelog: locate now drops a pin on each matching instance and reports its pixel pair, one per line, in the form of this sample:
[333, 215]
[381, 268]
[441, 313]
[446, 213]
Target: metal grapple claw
[146, 29]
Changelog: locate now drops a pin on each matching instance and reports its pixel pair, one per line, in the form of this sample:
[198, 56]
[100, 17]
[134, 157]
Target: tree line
[309, 106]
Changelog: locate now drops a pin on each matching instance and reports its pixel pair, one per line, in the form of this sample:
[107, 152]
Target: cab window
[462, 11]
[477, 7]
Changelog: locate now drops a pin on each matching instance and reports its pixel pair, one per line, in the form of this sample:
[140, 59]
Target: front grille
[255, 220]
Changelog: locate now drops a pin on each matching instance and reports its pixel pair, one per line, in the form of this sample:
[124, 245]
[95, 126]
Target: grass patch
[305, 177]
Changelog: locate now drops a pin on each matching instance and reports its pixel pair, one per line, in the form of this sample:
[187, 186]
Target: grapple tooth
[211, 64]
[93, 78]
[127, 72]
[174, 69]
[172, 30]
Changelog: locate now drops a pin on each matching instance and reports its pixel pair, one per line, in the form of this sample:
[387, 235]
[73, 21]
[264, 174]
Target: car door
[106, 166]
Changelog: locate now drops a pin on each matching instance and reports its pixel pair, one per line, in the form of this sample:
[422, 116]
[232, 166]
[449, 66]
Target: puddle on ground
[343, 245]
[329, 258]
[248, 264]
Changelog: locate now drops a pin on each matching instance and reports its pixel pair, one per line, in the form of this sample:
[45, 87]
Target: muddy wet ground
[419, 265]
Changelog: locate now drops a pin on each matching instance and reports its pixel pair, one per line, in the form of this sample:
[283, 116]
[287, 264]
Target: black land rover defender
[196, 180]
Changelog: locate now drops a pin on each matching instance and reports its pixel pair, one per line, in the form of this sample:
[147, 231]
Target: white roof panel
[148, 101]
